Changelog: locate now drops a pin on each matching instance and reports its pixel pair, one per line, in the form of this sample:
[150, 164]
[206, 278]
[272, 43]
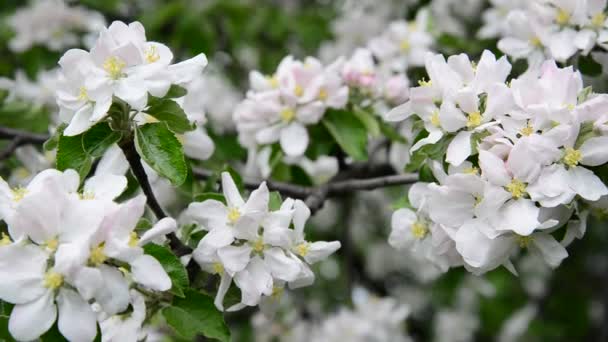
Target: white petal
[519, 216]
[105, 186]
[160, 229]
[280, 265]
[493, 168]
[320, 250]
[234, 258]
[113, 294]
[222, 290]
[595, 151]
[586, 184]
[460, 148]
[29, 321]
[294, 139]
[22, 269]
[76, 322]
[80, 122]
[399, 113]
[148, 272]
[550, 250]
[258, 200]
[210, 213]
[231, 192]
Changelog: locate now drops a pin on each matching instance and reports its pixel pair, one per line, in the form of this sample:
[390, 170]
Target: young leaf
[368, 120]
[98, 138]
[275, 200]
[53, 141]
[176, 91]
[159, 147]
[172, 265]
[348, 132]
[71, 155]
[209, 195]
[169, 111]
[196, 315]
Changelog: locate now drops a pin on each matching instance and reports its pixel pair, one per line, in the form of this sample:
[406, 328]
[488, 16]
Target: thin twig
[139, 172]
[24, 136]
[10, 149]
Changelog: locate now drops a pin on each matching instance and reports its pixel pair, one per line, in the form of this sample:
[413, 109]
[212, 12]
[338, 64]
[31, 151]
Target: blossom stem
[128, 147]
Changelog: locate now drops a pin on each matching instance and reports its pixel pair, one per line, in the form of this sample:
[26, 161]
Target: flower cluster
[279, 107]
[254, 246]
[523, 160]
[53, 24]
[555, 29]
[72, 256]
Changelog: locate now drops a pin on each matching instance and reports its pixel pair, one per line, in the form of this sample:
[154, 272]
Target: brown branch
[343, 183]
[128, 147]
[18, 138]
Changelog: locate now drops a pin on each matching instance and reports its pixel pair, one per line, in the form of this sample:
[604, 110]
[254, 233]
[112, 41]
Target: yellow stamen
[322, 94]
[52, 244]
[287, 114]
[233, 215]
[435, 118]
[98, 255]
[18, 193]
[528, 130]
[113, 66]
[572, 157]
[517, 188]
[151, 54]
[133, 239]
[478, 199]
[405, 45]
[598, 20]
[277, 292]
[83, 95]
[6, 240]
[299, 91]
[218, 268]
[474, 119]
[535, 41]
[562, 17]
[471, 170]
[86, 195]
[524, 241]
[274, 82]
[22, 172]
[412, 26]
[302, 249]
[258, 245]
[53, 280]
[424, 83]
[419, 229]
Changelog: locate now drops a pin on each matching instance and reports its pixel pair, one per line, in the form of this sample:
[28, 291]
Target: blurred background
[367, 284]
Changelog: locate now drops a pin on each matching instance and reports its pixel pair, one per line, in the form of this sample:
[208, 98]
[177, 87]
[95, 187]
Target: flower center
[151, 54]
[287, 114]
[113, 66]
[87, 195]
[53, 280]
[471, 170]
[419, 229]
[18, 193]
[535, 41]
[82, 94]
[233, 215]
[258, 245]
[322, 94]
[302, 249]
[299, 91]
[274, 82]
[598, 20]
[277, 292]
[424, 83]
[517, 188]
[572, 157]
[98, 256]
[405, 45]
[524, 241]
[528, 130]
[133, 239]
[562, 17]
[435, 118]
[218, 268]
[474, 119]
[52, 244]
[6, 240]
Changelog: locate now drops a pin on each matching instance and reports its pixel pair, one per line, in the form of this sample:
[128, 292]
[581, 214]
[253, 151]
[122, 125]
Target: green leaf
[176, 91]
[159, 147]
[348, 132]
[209, 195]
[368, 120]
[172, 265]
[167, 110]
[195, 315]
[275, 201]
[391, 133]
[588, 66]
[53, 141]
[71, 155]
[99, 138]
[403, 202]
